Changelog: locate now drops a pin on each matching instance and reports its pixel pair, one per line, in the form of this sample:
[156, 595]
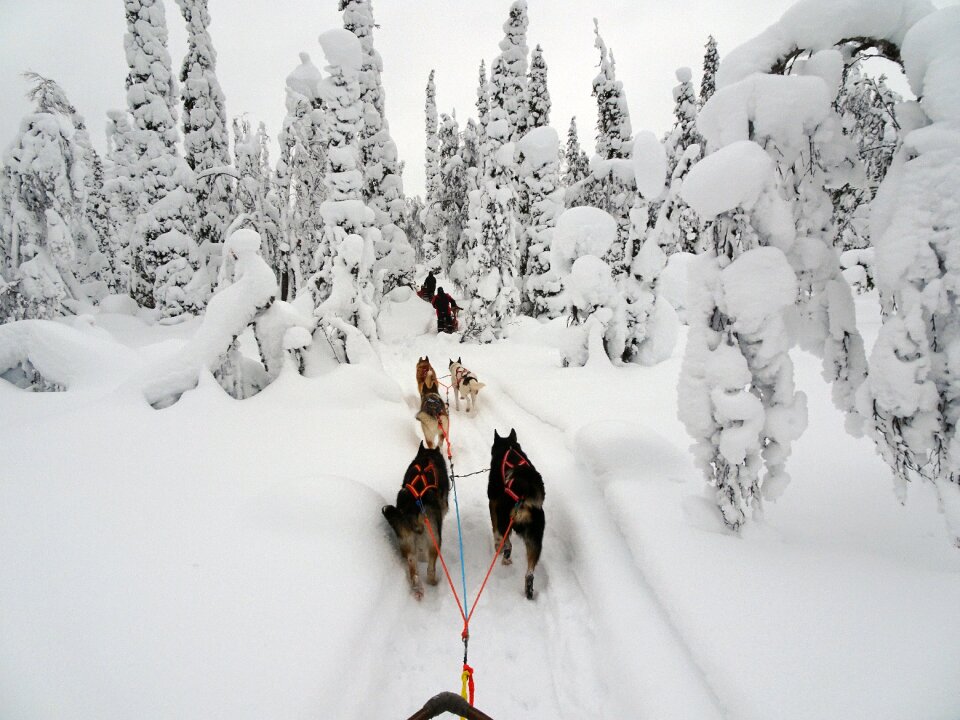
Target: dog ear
[496, 435]
[513, 435]
[460, 361]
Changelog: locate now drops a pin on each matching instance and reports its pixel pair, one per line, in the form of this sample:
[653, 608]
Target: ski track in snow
[558, 656]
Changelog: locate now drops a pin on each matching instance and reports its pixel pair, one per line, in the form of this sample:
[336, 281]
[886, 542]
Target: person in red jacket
[445, 306]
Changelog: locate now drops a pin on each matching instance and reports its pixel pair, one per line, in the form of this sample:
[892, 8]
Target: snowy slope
[225, 558]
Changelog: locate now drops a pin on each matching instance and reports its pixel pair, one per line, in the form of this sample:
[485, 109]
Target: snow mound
[539, 147]
[305, 79]
[581, 231]
[931, 59]
[734, 176]
[343, 50]
[649, 165]
[403, 315]
[786, 108]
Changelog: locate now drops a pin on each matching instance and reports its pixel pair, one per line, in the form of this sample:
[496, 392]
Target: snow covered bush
[594, 306]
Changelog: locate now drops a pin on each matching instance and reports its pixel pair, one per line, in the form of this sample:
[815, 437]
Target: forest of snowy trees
[792, 178]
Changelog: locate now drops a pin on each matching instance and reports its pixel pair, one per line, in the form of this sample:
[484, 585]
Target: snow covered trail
[595, 642]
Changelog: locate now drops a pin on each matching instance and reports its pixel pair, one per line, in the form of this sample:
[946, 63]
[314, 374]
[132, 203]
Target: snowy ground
[227, 559]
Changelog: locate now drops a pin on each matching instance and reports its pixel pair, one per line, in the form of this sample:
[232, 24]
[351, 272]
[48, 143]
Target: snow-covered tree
[343, 279]
[711, 61]
[121, 190]
[792, 118]
[676, 226]
[508, 76]
[383, 184]
[430, 246]
[50, 251]
[592, 299]
[300, 176]
[538, 96]
[650, 325]
[452, 190]
[256, 199]
[611, 185]
[911, 399]
[867, 108]
[491, 247]
[205, 136]
[538, 153]
[736, 392]
[575, 164]
[164, 253]
[614, 133]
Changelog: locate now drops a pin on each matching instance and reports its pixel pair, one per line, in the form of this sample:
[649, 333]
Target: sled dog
[465, 385]
[515, 490]
[433, 417]
[425, 484]
[426, 377]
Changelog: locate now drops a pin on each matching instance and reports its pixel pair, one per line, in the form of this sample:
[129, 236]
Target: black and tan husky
[425, 484]
[515, 490]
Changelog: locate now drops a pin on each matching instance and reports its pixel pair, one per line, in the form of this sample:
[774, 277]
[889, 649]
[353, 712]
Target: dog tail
[481, 385]
[393, 517]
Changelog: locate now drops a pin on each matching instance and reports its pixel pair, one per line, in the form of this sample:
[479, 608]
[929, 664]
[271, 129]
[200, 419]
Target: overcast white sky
[79, 43]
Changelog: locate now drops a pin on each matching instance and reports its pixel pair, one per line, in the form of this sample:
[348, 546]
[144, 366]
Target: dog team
[514, 488]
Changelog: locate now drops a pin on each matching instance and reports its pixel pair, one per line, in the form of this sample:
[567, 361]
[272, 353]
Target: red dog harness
[420, 483]
[507, 465]
[461, 375]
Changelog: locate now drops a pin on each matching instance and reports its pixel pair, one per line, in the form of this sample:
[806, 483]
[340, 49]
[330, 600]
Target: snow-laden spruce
[383, 185]
[610, 185]
[508, 75]
[51, 256]
[736, 391]
[205, 136]
[257, 202]
[910, 400]
[164, 254]
[300, 173]
[539, 175]
[342, 283]
[430, 217]
[791, 116]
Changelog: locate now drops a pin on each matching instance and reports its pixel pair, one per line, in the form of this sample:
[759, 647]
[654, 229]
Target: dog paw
[433, 580]
[507, 560]
[418, 593]
[528, 587]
